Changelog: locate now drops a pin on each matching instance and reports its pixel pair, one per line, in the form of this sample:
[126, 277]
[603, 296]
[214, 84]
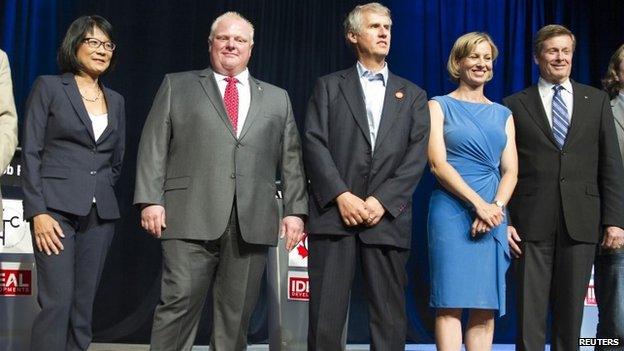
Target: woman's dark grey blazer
[64, 167]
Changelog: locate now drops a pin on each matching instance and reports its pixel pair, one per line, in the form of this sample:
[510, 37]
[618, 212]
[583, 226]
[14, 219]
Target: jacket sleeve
[610, 170]
[325, 178]
[293, 177]
[36, 119]
[153, 149]
[8, 115]
[118, 154]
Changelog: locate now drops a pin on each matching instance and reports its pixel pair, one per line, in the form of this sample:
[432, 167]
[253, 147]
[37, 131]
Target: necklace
[97, 97]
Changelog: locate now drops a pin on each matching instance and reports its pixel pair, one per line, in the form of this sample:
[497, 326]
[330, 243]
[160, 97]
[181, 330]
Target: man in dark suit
[569, 189]
[365, 150]
[210, 150]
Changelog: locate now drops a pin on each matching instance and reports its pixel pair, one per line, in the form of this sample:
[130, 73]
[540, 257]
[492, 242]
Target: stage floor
[127, 347]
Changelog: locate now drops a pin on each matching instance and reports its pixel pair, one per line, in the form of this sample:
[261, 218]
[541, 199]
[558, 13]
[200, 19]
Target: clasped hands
[355, 211]
[488, 217]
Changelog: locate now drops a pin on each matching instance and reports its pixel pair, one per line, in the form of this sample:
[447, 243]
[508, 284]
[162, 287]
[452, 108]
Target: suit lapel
[71, 90]
[112, 116]
[352, 91]
[579, 111]
[207, 81]
[254, 105]
[533, 104]
[392, 101]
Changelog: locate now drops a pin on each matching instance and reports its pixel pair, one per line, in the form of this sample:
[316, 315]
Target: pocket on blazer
[272, 116]
[177, 183]
[54, 172]
[592, 190]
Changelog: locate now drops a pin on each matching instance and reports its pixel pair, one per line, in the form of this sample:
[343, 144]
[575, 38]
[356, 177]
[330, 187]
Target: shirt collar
[621, 96]
[243, 77]
[362, 71]
[545, 85]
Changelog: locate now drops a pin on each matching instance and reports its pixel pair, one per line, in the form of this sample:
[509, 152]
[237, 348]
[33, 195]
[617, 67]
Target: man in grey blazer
[209, 154]
[365, 150]
[609, 262]
[8, 119]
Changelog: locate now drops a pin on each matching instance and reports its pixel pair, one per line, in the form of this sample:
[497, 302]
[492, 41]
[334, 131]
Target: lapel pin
[586, 97]
[259, 87]
[399, 95]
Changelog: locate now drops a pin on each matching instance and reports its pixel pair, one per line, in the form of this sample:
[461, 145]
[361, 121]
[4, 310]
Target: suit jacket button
[563, 179]
[233, 175]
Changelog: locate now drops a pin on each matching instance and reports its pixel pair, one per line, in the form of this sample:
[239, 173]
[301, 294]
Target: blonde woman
[472, 153]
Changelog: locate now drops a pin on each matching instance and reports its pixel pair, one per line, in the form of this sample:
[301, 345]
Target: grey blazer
[617, 105]
[8, 118]
[64, 166]
[191, 162]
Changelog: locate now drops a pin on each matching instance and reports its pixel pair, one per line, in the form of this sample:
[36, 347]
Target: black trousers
[331, 267]
[67, 282]
[552, 274]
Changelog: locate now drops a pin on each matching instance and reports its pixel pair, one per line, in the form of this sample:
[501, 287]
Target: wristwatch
[499, 204]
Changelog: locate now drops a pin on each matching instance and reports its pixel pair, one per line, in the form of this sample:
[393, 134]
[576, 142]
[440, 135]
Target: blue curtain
[295, 43]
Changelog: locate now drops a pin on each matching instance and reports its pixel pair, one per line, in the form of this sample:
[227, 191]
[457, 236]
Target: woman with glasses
[73, 147]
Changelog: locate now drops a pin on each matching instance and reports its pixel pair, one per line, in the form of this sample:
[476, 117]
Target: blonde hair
[550, 31]
[353, 22]
[231, 15]
[611, 82]
[462, 48]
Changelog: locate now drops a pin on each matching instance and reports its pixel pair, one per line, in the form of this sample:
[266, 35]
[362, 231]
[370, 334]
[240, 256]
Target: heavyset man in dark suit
[213, 172]
[569, 189]
[365, 149]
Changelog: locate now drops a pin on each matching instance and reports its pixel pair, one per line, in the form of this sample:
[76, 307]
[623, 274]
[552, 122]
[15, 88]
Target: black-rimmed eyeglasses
[96, 43]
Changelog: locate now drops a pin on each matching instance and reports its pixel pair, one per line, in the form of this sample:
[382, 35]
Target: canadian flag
[298, 257]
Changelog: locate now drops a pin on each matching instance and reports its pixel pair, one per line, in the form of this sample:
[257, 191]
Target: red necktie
[230, 98]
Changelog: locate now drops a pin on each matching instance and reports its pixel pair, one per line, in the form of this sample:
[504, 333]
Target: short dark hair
[75, 35]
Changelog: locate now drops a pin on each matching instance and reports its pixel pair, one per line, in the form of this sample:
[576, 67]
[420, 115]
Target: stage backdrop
[296, 41]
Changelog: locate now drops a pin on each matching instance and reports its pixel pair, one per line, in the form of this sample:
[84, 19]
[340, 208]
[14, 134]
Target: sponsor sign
[590, 298]
[11, 175]
[298, 286]
[16, 236]
[298, 257]
[15, 280]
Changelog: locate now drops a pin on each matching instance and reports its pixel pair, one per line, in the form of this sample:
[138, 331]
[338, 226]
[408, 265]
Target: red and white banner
[590, 298]
[16, 236]
[298, 286]
[298, 257]
[15, 279]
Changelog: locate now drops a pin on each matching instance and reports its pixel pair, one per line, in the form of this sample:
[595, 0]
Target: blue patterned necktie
[560, 120]
[372, 76]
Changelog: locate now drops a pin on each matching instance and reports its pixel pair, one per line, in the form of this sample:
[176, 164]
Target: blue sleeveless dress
[469, 272]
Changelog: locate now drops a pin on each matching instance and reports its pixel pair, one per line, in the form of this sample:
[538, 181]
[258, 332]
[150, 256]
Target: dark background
[295, 42]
